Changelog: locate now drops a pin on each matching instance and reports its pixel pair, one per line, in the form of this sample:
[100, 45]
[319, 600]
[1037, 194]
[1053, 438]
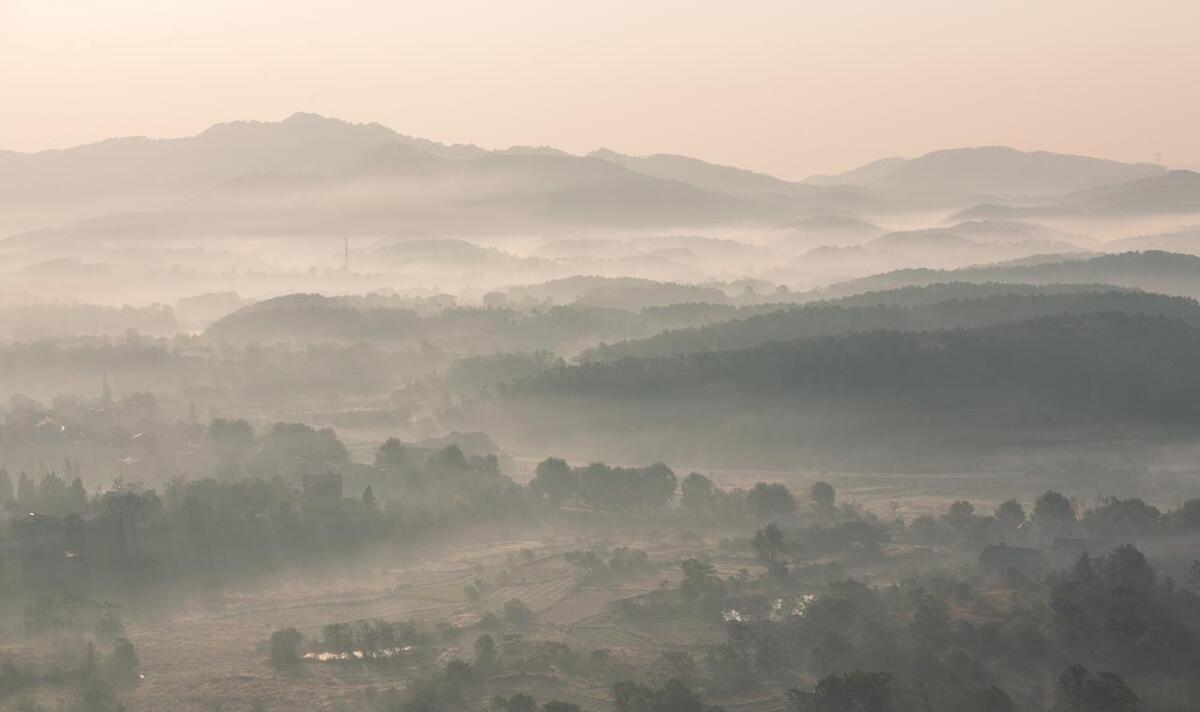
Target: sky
[790, 88]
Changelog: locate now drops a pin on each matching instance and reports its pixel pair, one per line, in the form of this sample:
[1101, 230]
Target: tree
[1054, 513]
[855, 691]
[1079, 690]
[629, 696]
[697, 493]
[770, 500]
[822, 495]
[368, 497]
[625, 488]
[676, 697]
[1127, 568]
[517, 613]
[1115, 517]
[1010, 513]
[559, 706]
[285, 648]
[656, 485]
[673, 696]
[391, 454]
[554, 480]
[449, 460]
[338, 638]
[6, 488]
[991, 699]
[519, 702]
[769, 545]
[699, 577]
[291, 441]
[98, 697]
[52, 493]
[455, 676]
[486, 659]
[26, 495]
[77, 496]
[1187, 516]
[123, 663]
[230, 440]
[960, 516]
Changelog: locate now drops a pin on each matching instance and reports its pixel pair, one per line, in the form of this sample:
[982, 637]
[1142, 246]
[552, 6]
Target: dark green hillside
[827, 319]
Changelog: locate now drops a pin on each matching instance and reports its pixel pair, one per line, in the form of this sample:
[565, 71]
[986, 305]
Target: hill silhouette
[832, 318]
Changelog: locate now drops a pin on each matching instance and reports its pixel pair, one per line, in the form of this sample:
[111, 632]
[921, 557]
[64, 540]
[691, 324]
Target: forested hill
[828, 319]
[1102, 367]
[1152, 270]
[922, 294]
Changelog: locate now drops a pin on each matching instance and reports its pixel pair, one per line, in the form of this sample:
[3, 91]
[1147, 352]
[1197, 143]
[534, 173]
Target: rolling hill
[1151, 271]
[1173, 192]
[833, 318]
[1182, 241]
[888, 401]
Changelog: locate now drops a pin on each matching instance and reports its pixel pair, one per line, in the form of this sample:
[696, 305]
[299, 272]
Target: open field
[213, 657]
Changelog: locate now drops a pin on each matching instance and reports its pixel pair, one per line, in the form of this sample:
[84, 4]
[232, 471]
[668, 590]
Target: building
[1000, 558]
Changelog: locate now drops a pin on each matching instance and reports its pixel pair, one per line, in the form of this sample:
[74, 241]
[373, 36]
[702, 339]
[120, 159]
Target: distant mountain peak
[992, 170]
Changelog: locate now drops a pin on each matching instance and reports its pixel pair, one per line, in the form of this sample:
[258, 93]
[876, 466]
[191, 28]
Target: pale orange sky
[790, 88]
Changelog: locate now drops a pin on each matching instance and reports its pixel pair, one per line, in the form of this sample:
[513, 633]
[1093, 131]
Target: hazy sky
[790, 87]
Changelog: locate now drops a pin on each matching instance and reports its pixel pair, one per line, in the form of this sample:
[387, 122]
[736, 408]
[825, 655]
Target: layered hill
[1094, 367]
[828, 319]
[1152, 271]
[1008, 394]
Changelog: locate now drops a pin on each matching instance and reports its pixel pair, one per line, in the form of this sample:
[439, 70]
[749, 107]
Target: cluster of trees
[1078, 689]
[611, 488]
[765, 501]
[79, 663]
[1053, 514]
[52, 494]
[423, 467]
[131, 437]
[449, 687]
[599, 564]
[132, 543]
[605, 487]
[367, 640]
[1115, 610]
[941, 641]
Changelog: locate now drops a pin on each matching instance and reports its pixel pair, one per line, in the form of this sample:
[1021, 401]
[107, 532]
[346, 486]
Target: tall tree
[1054, 513]
[554, 480]
[823, 495]
[26, 494]
[6, 487]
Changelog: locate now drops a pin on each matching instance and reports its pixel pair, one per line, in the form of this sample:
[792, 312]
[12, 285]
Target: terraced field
[609, 636]
[538, 595]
